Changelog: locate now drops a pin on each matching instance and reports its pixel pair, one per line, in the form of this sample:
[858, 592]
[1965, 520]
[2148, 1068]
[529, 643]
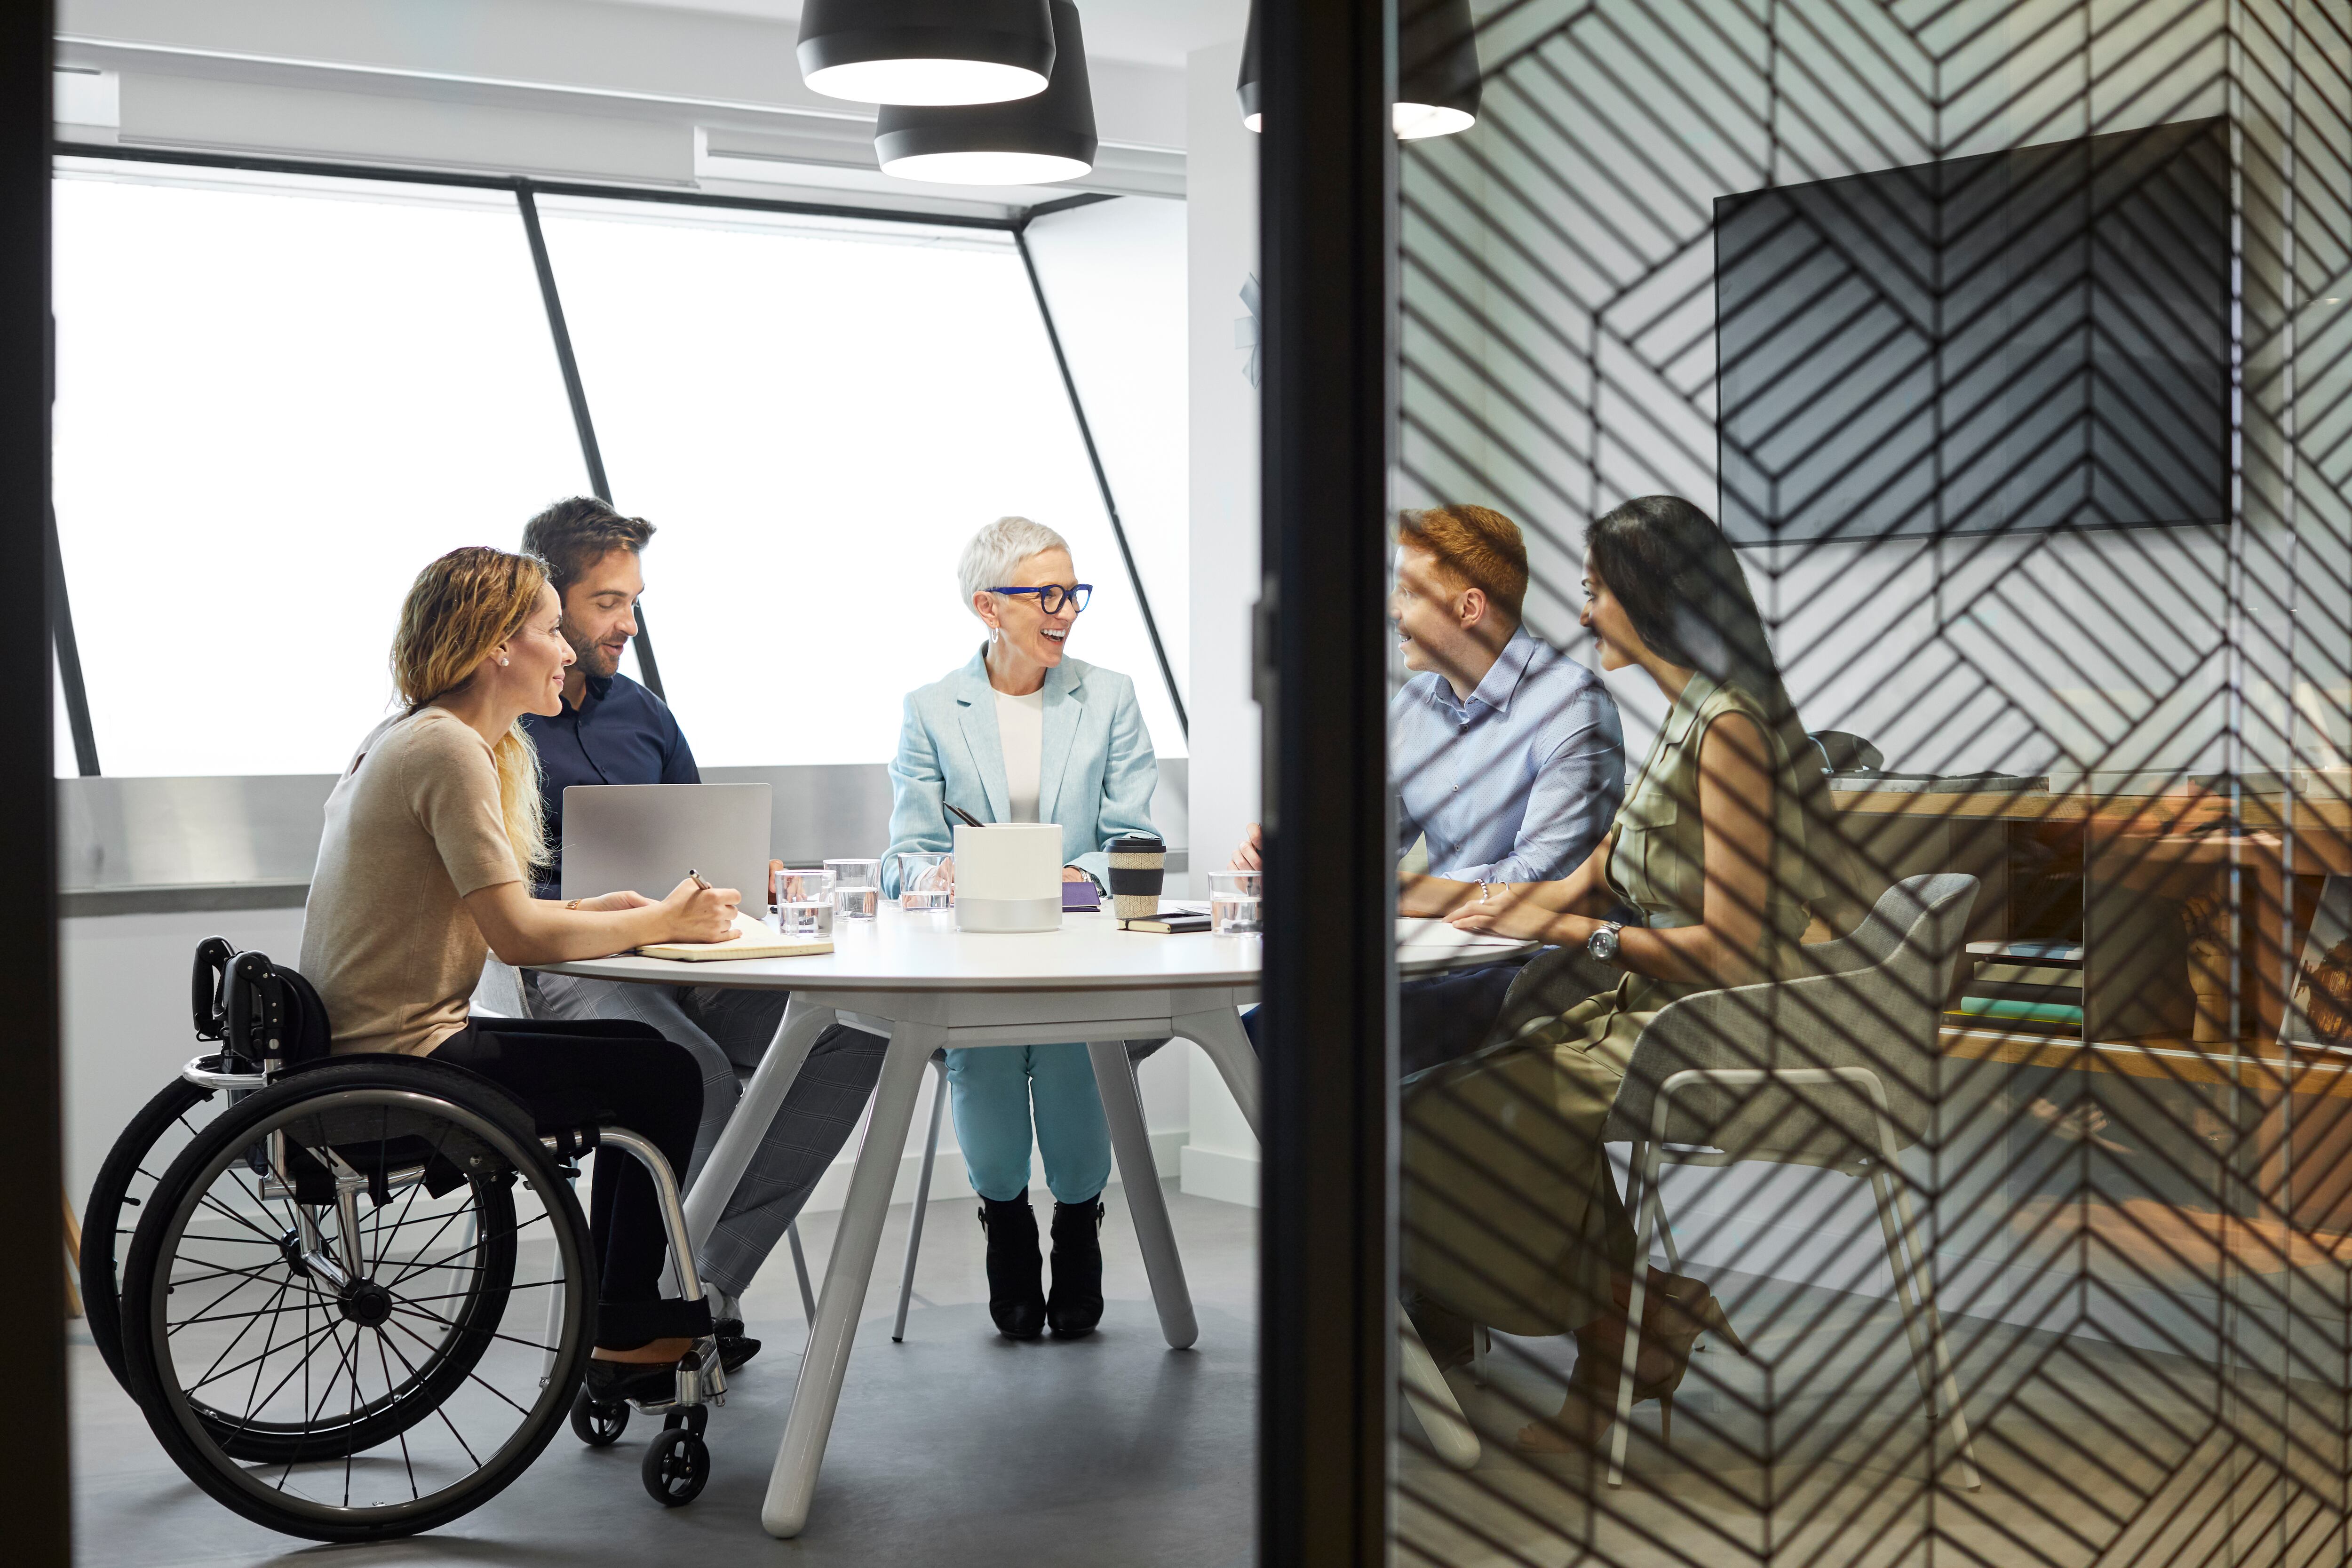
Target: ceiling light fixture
[1030, 142]
[927, 51]
[1438, 80]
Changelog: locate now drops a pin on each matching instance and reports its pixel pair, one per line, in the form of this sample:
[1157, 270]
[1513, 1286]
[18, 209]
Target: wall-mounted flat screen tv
[2028, 341]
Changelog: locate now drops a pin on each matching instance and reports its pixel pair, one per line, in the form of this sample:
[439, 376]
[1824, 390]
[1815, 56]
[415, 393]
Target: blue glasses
[1053, 596]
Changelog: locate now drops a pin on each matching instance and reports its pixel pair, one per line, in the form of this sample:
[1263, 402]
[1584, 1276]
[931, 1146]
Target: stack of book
[2032, 984]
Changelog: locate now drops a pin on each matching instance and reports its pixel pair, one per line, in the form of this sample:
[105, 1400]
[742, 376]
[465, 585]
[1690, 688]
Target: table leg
[1132, 1140]
[1219, 1033]
[770, 1081]
[814, 1396]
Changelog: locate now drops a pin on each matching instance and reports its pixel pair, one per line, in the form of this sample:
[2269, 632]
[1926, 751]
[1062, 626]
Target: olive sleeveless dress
[1510, 1215]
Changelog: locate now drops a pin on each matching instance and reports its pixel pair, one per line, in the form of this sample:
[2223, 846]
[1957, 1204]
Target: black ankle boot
[1076, 1304]
[1016, 1290]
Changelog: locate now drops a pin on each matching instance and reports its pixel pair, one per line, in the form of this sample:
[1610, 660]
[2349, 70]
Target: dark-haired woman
[1513, 1218]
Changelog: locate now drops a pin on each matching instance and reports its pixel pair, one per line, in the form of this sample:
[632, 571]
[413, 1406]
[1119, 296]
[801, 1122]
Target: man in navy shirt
[612, 731]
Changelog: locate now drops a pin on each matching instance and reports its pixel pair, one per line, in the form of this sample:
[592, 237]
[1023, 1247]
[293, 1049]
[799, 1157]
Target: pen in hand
[969, 820]
[695, 877]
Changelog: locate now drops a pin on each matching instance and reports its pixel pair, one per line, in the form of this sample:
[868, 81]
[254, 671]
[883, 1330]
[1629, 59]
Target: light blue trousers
[994, 1088]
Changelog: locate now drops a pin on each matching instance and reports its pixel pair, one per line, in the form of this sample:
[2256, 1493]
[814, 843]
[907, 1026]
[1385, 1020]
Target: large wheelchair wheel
[152, 1140]
[314, 1308]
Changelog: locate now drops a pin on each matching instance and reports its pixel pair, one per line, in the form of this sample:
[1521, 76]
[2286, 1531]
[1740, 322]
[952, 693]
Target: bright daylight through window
[279, 397]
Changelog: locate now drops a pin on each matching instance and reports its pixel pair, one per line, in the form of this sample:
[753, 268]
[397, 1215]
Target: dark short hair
[575, 533]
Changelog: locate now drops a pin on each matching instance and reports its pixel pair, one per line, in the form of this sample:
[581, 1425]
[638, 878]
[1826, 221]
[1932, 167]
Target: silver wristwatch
[1602, 944]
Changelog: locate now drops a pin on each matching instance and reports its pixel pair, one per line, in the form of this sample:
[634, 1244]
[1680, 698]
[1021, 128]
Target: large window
[280, 396]
[274, 405]
[817, 419]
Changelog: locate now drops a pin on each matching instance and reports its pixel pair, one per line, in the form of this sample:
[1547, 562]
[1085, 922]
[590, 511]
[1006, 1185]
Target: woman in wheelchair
[1511, 1215]
[423, 867]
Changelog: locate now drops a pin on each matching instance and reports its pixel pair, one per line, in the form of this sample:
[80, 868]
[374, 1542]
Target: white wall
[1221, 194]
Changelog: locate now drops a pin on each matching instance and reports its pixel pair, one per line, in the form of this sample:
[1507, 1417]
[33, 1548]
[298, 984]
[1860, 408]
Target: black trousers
[1439, 1018]
[574, 1074]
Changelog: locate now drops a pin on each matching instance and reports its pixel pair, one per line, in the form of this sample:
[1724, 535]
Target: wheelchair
[358, 1293]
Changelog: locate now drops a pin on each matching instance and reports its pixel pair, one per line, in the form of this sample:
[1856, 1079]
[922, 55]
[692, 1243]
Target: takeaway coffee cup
[1139, 868]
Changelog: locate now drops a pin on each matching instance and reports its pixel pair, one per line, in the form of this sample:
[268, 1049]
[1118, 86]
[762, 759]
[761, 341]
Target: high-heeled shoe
[1675, 1310]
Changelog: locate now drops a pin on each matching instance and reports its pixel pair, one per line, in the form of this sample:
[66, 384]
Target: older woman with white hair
[1026, 734]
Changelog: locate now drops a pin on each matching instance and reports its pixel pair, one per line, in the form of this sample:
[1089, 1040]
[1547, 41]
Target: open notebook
[753, 939]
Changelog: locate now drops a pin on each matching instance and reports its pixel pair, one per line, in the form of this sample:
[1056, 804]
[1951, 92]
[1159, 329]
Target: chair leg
[73, 1259]
[1646, 1164]
[923, 1200]
[1432, 1402]
[799, 1272]
[1666, 1236]
[1912, 1274]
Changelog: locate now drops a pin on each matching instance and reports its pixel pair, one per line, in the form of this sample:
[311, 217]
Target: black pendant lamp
[1029, 141]
[1437, 70]
[927, 51]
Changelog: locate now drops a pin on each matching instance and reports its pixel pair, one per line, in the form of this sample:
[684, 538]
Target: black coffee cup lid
[1135, 844]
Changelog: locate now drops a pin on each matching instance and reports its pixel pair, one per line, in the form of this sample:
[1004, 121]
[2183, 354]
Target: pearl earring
[502, 658]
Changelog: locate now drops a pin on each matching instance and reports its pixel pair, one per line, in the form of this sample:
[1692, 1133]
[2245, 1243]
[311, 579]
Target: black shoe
[610, 1382]
[1076, 1304]
[1016, 1285]
[735, 1347]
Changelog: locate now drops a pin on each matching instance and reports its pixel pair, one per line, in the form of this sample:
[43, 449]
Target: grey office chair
[1836, 1069]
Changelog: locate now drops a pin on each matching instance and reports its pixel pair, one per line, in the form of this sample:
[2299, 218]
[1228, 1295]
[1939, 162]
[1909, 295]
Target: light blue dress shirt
[1518, 783]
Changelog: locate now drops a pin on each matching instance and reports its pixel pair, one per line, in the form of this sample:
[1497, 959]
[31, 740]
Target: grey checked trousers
[729, 1031]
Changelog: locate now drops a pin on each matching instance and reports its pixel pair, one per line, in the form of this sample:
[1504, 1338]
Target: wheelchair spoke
[440, 1411]
[472, 1376]
[447, 1323]
[421, 1265]
[214, 1377]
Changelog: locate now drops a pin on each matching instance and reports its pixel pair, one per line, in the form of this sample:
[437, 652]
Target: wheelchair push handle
[254, 1014]
[205, 1001]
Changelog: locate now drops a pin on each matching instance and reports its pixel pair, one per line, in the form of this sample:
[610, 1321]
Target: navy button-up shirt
[1519, 782]
[620, 734]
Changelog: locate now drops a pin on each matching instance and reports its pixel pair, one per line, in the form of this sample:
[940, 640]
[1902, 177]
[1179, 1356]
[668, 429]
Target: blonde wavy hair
[460, 608]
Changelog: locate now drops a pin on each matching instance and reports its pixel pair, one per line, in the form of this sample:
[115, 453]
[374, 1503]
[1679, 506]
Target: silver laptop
[648, 837]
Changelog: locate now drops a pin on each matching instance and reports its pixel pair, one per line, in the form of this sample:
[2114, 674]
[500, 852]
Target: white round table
[926, 985]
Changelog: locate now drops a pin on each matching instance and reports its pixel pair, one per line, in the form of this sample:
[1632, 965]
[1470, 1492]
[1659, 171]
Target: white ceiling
[1151, 32]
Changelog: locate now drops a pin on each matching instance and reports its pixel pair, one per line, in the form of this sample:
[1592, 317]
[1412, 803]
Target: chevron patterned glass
[1921, 1131]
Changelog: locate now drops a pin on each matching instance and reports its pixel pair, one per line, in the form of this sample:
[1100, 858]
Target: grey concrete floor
[1817, 1451]
[956, 1448]
[962, 1449]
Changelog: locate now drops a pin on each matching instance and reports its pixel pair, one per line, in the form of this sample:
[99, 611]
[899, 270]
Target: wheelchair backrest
[262, 1013]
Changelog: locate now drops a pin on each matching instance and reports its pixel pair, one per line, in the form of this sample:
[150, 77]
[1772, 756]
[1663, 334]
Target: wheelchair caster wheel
[693, 1418]
[676, 1466]
[598, 1426]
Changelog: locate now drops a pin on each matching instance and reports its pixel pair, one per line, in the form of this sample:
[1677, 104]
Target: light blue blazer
[1096, 772]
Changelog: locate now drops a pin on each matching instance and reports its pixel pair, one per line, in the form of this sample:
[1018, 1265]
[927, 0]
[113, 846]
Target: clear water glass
[1235, 900]
[804, 901]
[926, 880]
[857, 887]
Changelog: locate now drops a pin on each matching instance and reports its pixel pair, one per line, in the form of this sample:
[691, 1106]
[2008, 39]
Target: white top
[1021, 726]
[902, 952]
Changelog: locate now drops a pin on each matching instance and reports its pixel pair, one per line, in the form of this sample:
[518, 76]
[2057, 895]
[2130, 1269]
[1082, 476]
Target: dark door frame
[32, 1450]
[1327, 1306]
